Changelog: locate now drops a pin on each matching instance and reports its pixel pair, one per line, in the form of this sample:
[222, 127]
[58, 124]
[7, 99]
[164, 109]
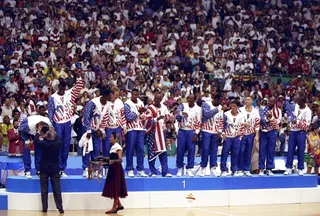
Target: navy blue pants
[185, 143]
[106, 143]
[27, 158]
[245, 153]
[296, 139]
[135, 141]
[163, 157]
[97, 142]
[230, 145]
[267, 149]
[209, 148]
[64, 133]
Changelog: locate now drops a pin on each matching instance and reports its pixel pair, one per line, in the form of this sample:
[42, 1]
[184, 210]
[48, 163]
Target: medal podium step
[81, 194]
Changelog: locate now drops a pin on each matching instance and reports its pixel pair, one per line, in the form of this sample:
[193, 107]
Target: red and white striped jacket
[214, 124]
[60, 108]
[116, 115]
[193, 121]
[272, 124]
[233, 125]
[135, 120]
[96, 115]
[153, 113]
[303, 119]
[253, 118]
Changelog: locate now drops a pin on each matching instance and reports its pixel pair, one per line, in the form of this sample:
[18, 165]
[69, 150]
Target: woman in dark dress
[115, 186]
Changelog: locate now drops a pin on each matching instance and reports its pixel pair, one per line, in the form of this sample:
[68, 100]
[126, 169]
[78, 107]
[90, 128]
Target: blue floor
[80, 184]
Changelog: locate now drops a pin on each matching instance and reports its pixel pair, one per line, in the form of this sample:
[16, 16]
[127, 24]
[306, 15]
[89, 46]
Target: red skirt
[115, 185]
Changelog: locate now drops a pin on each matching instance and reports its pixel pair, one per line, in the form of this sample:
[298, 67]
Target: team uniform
[188, 127]
[233, 130]
[27, 130]
[135, 136]
[116, 122]
[297, 136]
[268, 138]
[212, 124]
[253, 119]
[95, 118]
[155, 135]
[60, 111]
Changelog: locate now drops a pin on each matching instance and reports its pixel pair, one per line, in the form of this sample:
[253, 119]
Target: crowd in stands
[179, 47]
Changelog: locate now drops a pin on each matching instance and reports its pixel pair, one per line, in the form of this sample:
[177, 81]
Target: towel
[85, 142]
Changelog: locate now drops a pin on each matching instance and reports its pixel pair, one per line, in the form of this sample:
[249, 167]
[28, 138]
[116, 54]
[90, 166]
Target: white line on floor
[213, 212]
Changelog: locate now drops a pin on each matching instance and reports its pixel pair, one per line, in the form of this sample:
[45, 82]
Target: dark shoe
[44, 211]
[38, 173]
[61, 211]
[112, 211]
[120, 208]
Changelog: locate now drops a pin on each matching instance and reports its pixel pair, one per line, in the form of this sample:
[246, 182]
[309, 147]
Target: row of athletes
[238, 127]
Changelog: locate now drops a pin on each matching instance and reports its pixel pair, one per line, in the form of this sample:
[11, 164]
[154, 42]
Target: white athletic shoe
[28, 175]
[189, 173]
[168, 175]
[153, 176]
[223, 174]
[213, 171]
[261, 173]
[288, 172]
[179, 174]
[270, 173]
[130, 173]
[240, 173]
[247, 173]
[301, 173]
[236, 174]
[63, 174]
[85, 173]
[141, 174]
[203, 172]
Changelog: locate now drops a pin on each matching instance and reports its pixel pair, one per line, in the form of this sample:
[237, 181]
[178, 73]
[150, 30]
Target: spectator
[5, 126]
[15, 141]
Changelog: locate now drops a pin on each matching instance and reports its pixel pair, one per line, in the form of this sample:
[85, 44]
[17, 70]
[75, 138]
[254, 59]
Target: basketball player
[117, 120]
[270, 118]
[212, 125]
[95, 120]
[60, 110]
[251, 135]
[157, 115]
[135, 115]
[232, 134]
[299, 120]
[189, 118]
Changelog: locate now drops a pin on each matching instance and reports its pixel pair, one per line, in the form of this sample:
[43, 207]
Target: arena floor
[266, 210]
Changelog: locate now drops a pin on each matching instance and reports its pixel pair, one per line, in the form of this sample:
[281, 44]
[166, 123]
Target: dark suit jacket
[49, 162]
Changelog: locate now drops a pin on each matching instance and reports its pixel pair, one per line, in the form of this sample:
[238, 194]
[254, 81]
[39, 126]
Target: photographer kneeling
[50, 145]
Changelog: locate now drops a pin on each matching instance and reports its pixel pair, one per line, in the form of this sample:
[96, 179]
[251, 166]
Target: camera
[44, 129]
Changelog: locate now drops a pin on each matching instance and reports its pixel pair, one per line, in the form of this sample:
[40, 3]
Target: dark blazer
[49, 162]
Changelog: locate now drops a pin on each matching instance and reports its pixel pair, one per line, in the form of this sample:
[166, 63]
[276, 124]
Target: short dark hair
[105, 91]
[235, 102]
[134, 90]
[62, 83]
[218, 96]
